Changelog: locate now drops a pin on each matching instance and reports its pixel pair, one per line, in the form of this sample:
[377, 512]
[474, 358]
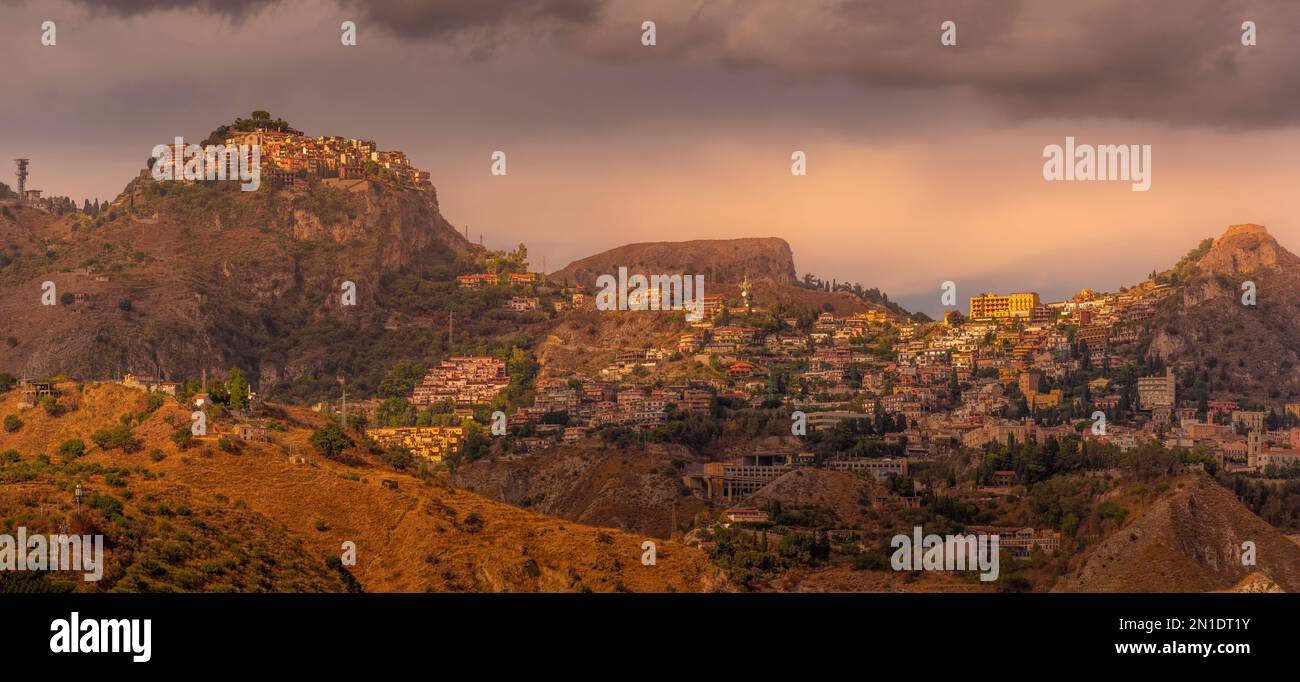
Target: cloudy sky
[924, 161]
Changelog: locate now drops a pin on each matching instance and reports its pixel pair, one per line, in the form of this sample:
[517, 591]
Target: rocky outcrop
[1222, 345]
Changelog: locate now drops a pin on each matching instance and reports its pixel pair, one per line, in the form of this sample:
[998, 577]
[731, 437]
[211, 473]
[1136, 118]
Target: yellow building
[1040, 401]
[990, 306]
[429, 442]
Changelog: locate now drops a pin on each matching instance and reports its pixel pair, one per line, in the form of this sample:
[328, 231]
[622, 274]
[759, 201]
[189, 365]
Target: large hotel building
[989, 306]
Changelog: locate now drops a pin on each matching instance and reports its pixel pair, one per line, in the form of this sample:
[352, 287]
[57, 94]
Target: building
[819, 421]
[989, 433]
[462, 380]
[738, 478]
[522, 303]
[740, 369]
[1004, 478]
[746, 515]
[994, 306]
[477, 280]
[428, 442]
[1021, 541]
[882, 468]
[251, 432]
[1249, 420]
[1280, 459]
[1037, 400]
[1157, 391]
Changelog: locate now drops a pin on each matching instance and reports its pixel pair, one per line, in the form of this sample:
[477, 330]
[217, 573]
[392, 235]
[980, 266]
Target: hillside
[841, 497]
[637, 490]
[719, 260]
[205, 518]
[1221, 346]
[1187, 541]
[175, 278]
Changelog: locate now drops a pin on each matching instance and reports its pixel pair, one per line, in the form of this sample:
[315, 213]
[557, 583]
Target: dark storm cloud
[233, 9]
[437, 18]
[1174, 61]
[1178, 61]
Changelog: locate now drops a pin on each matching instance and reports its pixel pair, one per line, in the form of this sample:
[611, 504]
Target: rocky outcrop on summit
[1244, 249]
[1218, 344]
[719, 260]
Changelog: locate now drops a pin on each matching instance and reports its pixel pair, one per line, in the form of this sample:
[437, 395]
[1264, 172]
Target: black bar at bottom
[216, 633]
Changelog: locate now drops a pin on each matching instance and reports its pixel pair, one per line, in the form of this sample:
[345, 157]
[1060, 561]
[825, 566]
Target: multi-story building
[1157, 391]
[463, 380]
[428, 442]
[879, 467]
[1021, 541]
[556, 396]
[993, 306]
[1249, 420]
[522, 303]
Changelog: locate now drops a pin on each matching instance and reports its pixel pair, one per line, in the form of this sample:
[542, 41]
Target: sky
[924, 161]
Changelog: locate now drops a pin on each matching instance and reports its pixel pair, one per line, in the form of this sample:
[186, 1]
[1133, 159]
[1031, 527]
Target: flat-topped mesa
[719, 260]
[1242, 228]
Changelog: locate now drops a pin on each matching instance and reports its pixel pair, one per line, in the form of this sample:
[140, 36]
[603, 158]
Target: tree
[398, 457]
[50, 404]
[119, 436]
[72, 448]
[237, 387]
[331, 440]
[396, 412]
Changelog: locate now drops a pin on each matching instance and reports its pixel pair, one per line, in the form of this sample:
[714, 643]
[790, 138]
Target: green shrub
[51, 405]
[183, 438]
[118, 437]
[156, 400]
[109, 505]
[12, 423]
[72, 448]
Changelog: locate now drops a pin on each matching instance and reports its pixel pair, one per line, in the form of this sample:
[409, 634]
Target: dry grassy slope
[840, 492]
[419, 537]
[634, 490]
[1187, 540]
